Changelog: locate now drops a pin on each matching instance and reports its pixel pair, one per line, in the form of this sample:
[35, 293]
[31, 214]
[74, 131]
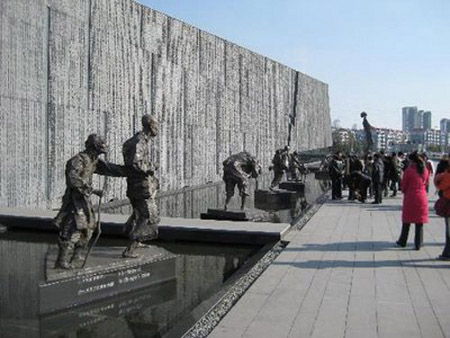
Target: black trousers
[336, 188]
[363, 191]
[446, 252]
[378, 192]
[418, 238]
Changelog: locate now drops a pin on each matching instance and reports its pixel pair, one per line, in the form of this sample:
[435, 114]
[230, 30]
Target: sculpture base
[296, 186]
[251, 215]
[274, 199]
[226, 215]
[106, 274]
[152, 298]
[322, 175]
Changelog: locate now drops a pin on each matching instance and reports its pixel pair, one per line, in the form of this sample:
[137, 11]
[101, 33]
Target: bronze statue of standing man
[142, 187]
[76, 219]
[368, 131]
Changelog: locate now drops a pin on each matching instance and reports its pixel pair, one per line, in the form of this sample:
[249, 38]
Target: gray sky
[376, 55]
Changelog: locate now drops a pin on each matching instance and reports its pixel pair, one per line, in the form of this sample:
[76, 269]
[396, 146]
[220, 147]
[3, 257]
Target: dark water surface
[168, 308]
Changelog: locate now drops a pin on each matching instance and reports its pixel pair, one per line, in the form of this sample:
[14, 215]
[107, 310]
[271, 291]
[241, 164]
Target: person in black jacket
[361, 183]
[395, 173]
[336, 170]
[387, 172]
[377, 178]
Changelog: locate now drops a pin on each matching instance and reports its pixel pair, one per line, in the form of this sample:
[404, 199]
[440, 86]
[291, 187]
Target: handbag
[442, 207]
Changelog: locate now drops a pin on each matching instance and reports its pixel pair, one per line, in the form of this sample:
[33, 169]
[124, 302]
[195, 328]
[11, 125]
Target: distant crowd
[373, 175]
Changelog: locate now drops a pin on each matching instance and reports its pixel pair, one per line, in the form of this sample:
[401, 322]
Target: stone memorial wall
[69, 68]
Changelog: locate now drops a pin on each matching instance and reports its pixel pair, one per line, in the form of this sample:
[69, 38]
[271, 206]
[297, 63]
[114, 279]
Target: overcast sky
[376, 55]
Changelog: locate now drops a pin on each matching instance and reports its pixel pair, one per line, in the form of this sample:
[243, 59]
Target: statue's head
[150, 125]
[363, 114]
[96, 143]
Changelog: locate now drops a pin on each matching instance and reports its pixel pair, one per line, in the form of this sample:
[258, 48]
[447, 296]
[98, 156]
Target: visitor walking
[415, 200]
[429, 166]
[377, 178]
[395, 174]
[336, 169]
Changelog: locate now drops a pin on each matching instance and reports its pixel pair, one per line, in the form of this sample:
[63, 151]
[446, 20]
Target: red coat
[442, 182]
[415, 199]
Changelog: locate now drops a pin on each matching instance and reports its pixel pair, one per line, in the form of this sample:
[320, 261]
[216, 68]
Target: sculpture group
[76, 219]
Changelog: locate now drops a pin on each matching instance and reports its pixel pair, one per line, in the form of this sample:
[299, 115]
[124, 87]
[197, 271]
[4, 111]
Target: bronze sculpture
[142, 186]
[368, 131]
[76, 219]
[237, 170]
[297, 169]
[280, 163]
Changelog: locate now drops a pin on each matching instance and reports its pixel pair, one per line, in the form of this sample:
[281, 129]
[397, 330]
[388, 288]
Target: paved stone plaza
[343, 276]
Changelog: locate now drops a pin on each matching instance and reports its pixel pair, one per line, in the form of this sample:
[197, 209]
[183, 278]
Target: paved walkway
[342, 276]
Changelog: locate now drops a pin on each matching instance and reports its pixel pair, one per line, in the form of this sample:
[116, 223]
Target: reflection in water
[191, 202]
[165, 308]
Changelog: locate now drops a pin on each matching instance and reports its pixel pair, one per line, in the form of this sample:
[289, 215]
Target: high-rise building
[445, 125]
[426, 120]
[407, 120]
[412, 118]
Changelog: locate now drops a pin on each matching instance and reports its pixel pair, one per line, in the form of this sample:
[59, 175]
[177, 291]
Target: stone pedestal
[106, 274]
[251, 215]
[322, 175]
[152, 298]
[274, 200]
[226, 215]
[296, 186]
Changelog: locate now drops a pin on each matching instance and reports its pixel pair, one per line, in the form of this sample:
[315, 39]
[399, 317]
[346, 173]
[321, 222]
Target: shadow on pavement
[364, 246]
[328, 264]
[381, 207]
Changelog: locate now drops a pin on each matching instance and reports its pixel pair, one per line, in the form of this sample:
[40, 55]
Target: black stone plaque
[126, 303]
[274, 200]
[226, 215]
[293, 186]
[68, 292]
[322, 175]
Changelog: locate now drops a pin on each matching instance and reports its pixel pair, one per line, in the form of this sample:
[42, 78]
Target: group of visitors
[374, 175]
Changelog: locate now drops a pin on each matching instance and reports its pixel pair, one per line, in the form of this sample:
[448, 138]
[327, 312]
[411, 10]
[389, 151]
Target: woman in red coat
[415, 199]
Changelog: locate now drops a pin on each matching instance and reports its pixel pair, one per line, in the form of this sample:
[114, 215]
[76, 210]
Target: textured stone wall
[72, 67]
